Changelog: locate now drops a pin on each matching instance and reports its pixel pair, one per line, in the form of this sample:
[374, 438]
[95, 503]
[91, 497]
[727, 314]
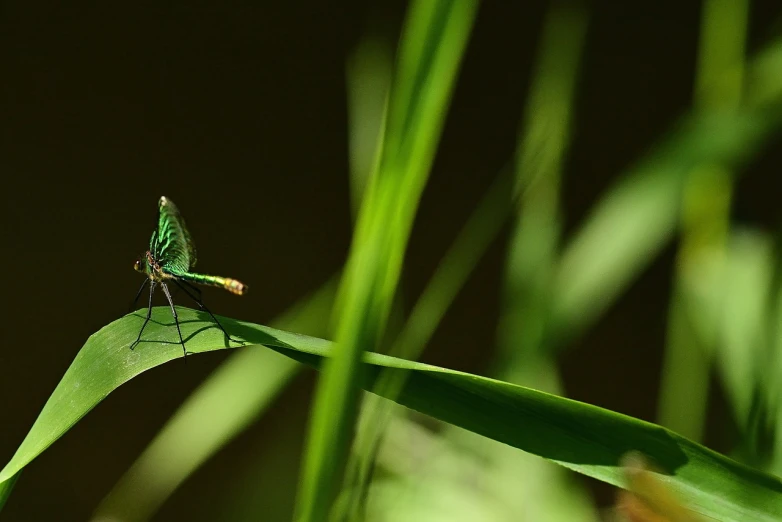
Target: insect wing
[173, 247]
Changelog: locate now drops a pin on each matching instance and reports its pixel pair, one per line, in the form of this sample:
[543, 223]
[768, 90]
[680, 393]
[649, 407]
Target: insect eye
[137, 265]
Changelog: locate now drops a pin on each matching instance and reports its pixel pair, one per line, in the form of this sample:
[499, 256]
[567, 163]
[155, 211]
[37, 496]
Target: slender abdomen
[232, 285]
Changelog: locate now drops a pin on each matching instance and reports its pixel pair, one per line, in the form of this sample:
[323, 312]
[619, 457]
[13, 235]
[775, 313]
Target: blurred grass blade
[523, 483]
[223, 406]
[453, 271]
[433, 39]
[483, 226]
[232, 397]
[720, 75]
[481, 229]
[543, 143]
[639, 215]
[585, 438]
[772, 374]
[705, 221]
[368, 80]
[693, 315]
[746, 286]
[635, 220]
[151, 480]
[582, 437]
[424, 476]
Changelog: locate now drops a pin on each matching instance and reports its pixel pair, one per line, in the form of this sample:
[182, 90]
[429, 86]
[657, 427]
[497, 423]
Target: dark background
[237, 112]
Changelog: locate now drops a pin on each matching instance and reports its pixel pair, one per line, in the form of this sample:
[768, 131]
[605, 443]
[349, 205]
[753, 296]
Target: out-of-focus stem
[705, 214]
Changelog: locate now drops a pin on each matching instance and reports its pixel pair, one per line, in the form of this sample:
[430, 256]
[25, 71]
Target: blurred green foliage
[723, 318]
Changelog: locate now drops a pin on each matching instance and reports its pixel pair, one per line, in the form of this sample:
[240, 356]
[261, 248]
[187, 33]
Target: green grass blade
[232, 397]
[640, 214]
[582, 437]
[481, 229]
[433, 40]
[473, 240]
[745, 288]
[726, 311]
[106, 362]
[720, 75]
[705, 216]
[525, 484]
[235, 395]
[6, 488]
[543, 142]
[772, 374]
[368, 80]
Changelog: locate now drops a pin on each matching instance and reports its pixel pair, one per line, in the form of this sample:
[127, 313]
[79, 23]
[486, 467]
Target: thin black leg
[149, 314]
[192, 287]
[138, 294]
[187, 287]
[176, 317]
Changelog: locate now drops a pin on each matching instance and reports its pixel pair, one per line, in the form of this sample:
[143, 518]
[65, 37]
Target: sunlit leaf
[582, 437]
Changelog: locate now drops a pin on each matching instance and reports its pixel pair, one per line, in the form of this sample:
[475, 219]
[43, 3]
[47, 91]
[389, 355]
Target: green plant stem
[705, 215]
[432, 44]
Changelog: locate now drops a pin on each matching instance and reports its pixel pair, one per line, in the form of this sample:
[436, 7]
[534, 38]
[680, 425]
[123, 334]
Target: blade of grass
[639, 215]
[582, 437]
[705, 209]
[459, 261]
[630, 197]
[543, 143]
[6, 488]
[223, 406]
[742, 348]
[523, 483]
[433, 40]
[720, 76]
[108, 372]
[635, 220]
[368, 80]
[151, 479]
[424, 476]
[773, 372]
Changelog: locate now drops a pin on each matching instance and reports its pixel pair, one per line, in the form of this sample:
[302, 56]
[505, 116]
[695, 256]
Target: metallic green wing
[171, 245]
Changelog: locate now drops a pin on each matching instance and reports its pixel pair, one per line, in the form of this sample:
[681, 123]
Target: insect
[170, 258]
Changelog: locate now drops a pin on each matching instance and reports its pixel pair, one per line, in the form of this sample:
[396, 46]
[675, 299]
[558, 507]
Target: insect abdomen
[232, 285]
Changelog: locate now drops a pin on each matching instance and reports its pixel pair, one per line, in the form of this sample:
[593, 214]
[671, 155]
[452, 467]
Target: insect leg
[138, 294]
[149, 314]
[176, 317]
[193, 288]
[187, 287]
